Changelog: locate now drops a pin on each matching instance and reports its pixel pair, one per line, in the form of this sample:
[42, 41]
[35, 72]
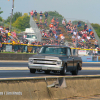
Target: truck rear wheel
[75, 72]
[63, 72]
[32, 70]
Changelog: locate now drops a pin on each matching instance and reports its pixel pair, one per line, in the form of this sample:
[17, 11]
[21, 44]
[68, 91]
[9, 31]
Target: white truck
[30, 35]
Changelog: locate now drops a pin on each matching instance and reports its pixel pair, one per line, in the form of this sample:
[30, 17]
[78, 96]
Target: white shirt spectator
[88, 37]
[78, 37]
[74, 33]
[1, 28]
[73, 37]
[63, 22]
[82, 39]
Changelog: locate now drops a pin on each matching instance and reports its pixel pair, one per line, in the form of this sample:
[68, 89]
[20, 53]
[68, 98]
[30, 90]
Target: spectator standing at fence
[41, 15]
[35, 15]
[0, 37]
[0, 46]
[32, 13]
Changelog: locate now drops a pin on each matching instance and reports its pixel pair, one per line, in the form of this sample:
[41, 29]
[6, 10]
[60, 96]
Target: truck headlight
[30, 61]
[59, 62]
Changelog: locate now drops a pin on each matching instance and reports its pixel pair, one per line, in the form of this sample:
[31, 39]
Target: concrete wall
[5, 56]
[37, 89]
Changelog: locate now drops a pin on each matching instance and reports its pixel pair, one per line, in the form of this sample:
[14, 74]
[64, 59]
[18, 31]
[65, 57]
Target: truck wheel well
[78, 66]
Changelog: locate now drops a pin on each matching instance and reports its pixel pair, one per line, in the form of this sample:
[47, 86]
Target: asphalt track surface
[11, 69]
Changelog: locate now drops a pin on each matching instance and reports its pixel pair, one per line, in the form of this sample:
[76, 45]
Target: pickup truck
[55, 58]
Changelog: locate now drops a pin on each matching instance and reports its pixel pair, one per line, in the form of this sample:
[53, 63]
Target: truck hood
[47, 56]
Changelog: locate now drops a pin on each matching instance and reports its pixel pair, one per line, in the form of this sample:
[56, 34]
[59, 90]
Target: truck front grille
[44, 61]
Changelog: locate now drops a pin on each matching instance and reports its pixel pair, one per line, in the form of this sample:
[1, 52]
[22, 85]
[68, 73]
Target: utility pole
[11, 14]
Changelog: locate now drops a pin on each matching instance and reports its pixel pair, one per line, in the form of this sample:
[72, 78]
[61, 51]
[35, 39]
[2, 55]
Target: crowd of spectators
[83, 38]
[51, 35]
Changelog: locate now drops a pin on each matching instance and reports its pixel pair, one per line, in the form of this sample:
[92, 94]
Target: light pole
[11, 14]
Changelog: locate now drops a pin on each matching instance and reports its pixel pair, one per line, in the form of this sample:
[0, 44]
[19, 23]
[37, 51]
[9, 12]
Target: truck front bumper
[56, 68]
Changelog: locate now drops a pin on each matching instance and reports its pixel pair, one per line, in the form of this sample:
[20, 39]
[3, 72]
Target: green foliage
[15, 16]
[0, 18]
[22, 22]
[97, 28]
[1, 11]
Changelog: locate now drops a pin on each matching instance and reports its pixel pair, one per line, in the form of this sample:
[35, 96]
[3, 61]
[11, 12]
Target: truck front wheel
[32, 70]
[63, 72]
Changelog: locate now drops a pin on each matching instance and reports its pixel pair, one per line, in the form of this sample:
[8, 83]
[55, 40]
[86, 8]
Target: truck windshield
[53, 50]
[31, 36]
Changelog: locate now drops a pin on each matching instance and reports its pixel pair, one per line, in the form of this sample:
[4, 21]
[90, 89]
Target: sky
[70, 9]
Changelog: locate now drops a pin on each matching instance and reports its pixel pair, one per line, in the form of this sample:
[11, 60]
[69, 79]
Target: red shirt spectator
[31, 13]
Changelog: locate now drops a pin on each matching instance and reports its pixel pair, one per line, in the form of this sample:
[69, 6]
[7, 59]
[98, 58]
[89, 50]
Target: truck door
[70, 60]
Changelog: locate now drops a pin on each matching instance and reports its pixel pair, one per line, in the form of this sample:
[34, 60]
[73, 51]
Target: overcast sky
[77, 9]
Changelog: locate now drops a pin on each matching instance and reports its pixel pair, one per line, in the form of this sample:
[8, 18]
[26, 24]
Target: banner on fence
[9, 48]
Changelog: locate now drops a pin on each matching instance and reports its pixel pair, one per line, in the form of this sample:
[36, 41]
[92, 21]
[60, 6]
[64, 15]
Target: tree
[22, 22]
[15, 16]
[1, 11]
[97, 28]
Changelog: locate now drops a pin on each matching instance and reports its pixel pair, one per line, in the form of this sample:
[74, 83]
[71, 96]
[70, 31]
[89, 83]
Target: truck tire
[47, 71]
[32, 70]
[63, 72]
[75, 72]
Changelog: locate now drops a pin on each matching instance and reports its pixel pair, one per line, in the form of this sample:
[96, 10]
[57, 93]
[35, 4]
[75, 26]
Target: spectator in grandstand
[46, 15]
[53, 20]
[79, 24]
[57, 22]
[37, 23]
[9, 40]
[92, 35]
[96, 43]
[85, 27]
[32, 13]
[45, 22]
[69, 29]
[41, 15]
[1, 28]
[63, 22]
[88, 37]
[41, 24]
[35, 15]
[51, 26]
[90, 30]
[56, 36]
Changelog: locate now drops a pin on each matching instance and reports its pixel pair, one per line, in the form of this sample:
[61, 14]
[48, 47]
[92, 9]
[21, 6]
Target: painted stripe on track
[26, 68]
